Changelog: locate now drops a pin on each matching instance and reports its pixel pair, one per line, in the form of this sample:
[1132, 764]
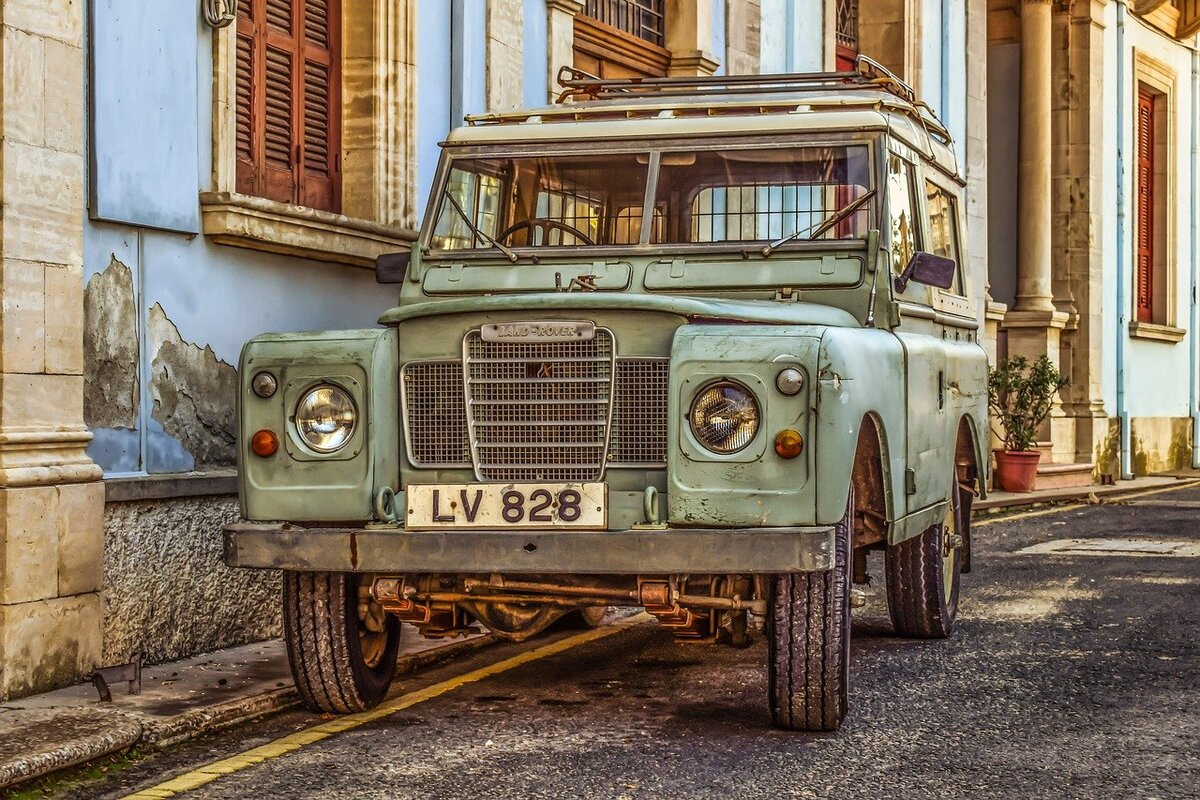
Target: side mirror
[392, 267]
[928, 269]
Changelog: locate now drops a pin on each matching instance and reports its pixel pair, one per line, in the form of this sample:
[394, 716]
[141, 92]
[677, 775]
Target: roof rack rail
[867, 74]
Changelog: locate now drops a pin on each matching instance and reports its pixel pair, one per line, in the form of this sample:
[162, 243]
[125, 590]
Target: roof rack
[867, 74]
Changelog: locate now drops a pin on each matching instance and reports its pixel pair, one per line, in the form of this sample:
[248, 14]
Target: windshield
[700, 196]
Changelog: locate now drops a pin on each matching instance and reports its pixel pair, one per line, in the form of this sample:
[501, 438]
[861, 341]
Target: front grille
[436, 422]
[435, 415]
[539, 411]
[639, 425]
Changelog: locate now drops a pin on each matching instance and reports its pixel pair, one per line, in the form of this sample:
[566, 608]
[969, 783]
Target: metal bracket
[130, 674]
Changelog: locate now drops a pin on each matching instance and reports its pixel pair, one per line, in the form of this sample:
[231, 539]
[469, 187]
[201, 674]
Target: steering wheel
[546, 225]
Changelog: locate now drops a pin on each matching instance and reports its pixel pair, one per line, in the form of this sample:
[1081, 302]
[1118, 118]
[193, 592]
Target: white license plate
[506, 505]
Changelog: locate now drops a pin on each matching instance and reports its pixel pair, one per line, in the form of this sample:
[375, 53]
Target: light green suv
[695, 345]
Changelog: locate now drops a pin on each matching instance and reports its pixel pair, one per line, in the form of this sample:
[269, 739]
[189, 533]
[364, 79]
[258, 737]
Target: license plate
[506, 505]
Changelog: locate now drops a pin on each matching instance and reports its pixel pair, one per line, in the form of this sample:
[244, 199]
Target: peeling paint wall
[194, 394]
[110, 348]
[167, 592]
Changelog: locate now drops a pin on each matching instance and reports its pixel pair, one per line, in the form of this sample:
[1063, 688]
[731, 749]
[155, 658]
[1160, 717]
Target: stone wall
[167, 592]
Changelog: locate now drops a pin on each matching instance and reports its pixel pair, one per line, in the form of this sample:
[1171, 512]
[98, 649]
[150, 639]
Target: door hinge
[910, 481]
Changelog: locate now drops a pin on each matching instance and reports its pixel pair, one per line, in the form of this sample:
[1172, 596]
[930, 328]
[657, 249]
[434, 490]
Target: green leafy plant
[1020, 395]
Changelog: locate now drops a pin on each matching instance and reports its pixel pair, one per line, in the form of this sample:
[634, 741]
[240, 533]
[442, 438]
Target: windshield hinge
[787, 293]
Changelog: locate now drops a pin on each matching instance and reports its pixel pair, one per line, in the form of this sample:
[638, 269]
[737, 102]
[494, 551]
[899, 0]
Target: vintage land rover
[694, 345]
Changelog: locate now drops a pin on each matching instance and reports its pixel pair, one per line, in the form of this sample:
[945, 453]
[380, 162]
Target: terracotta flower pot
[1016, 470]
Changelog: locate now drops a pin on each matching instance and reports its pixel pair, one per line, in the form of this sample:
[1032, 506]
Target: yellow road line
[1059, 509]
[295, 741]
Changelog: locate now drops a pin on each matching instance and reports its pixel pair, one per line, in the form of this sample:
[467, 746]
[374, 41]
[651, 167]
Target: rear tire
[809, 641]
[923, 577]
[341, 645]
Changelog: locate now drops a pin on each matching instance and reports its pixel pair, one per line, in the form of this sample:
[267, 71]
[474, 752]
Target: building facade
[1092, 184]
[178, 177]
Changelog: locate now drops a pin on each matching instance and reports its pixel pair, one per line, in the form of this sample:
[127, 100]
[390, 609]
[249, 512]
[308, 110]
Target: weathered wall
[167, 591]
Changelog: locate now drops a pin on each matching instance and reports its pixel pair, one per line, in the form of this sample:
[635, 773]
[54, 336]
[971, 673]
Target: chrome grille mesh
[639, 425]
[435, 415]
[539, 411]
[510, 428]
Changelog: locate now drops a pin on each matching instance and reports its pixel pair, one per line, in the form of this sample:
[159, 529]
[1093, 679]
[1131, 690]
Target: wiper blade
[508, 253]
[818, 230]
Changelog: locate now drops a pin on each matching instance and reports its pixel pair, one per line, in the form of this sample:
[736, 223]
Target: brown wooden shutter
[289, 101]
[1144, 275]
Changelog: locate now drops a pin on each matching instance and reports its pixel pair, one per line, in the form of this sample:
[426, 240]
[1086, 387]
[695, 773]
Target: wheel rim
[949, 550]
[372, 629]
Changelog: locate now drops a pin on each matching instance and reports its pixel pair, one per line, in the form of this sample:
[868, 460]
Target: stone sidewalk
[180, 700]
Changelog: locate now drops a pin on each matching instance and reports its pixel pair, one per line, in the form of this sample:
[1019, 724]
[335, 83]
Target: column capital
[571, 7]
[1056, 320]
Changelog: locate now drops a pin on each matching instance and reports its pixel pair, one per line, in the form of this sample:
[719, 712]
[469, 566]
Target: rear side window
[943, 228]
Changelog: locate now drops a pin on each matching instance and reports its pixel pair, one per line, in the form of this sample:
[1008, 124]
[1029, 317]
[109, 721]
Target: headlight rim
[754, 401]
[296, 419]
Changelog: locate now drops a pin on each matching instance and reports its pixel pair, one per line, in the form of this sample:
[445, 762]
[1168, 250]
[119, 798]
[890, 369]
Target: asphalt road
[1070, 675]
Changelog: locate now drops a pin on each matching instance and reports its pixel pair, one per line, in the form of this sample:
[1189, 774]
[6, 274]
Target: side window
[901, 208]
[476, 201]
[943, 228]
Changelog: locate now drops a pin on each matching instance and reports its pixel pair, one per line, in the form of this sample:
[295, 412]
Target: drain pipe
[1194, 319]
[1122, 303]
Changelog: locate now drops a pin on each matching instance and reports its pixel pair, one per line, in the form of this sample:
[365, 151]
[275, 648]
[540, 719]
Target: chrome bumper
[628, 552]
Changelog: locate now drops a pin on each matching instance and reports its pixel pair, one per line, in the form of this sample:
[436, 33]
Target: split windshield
[699, 197]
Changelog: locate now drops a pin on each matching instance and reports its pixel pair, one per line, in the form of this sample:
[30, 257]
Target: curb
[986, 508]
[117, 732]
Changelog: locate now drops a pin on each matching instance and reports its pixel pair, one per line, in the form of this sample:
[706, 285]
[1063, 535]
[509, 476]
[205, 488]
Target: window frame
[258, 176]
[872, 141]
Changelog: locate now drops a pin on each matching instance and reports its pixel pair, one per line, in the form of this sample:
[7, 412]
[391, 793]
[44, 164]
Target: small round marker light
[789, 381]
[264, 443]
[264, 384]
[788, 443]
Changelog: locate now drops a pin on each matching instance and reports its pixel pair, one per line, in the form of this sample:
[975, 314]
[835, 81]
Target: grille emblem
[545, 370]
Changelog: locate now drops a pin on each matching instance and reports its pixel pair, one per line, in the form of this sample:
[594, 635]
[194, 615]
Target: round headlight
[724, 417]
[326, 418]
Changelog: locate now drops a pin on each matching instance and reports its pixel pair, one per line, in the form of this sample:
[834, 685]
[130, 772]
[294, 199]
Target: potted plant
[1019, 396]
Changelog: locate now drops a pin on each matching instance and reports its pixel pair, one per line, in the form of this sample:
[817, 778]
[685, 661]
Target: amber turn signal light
[788, 443]
[265, 443]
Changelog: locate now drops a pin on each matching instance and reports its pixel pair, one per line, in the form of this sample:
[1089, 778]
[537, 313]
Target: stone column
[1034, 325]
[560, 39]
[51, 499]
[505, 37]
[1033, 167]
[690, 36]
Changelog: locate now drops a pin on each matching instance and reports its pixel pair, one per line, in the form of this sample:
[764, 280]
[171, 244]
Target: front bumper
[628, 552]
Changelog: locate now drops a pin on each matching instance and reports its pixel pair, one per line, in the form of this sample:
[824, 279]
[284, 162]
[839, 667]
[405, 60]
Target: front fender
[296, 483]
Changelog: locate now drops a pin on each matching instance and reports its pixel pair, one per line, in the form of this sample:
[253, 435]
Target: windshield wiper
[821, 227]
[508, 253]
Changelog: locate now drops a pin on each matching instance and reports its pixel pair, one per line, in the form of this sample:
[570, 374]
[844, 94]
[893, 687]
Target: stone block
[54, 19]
[48, 644]
[63, 97]
[42, 195]
[41, 401]
[28, 544]
[24, 307]
[64, 321]
[23, 86]
[80, 538]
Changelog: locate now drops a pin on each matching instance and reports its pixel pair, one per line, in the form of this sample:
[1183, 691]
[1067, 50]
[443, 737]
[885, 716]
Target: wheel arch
[870, 474]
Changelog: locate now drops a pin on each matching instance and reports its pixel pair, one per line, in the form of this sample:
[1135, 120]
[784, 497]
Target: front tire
[923, 577]
[341, 645]
[809, 641]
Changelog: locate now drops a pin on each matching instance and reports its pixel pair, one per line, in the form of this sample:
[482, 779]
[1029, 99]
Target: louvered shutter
[288, 101]
[1144, 276]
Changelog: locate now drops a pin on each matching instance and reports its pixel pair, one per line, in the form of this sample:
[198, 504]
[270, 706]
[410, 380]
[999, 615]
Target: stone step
[1062, 476]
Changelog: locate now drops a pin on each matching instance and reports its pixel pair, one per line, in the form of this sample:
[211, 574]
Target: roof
[870, 98]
